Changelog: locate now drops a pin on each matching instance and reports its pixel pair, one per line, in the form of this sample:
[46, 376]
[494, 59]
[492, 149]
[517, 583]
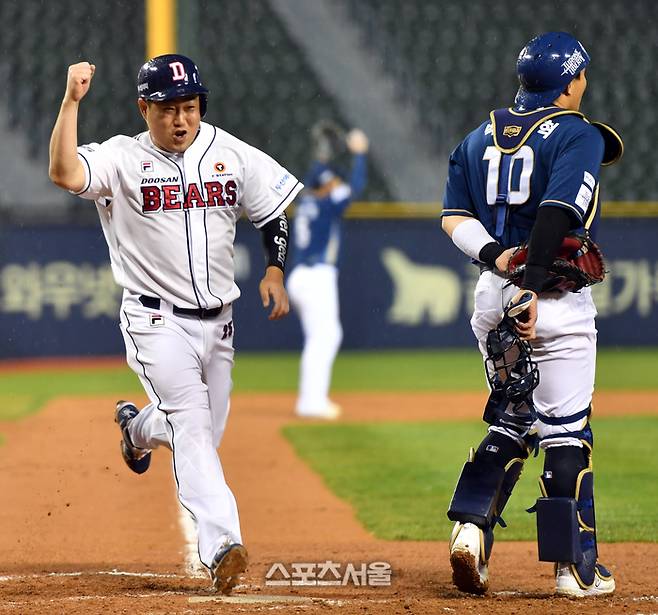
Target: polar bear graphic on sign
[421, 291]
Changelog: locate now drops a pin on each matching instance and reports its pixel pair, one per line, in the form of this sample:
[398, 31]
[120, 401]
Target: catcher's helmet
[546, 65]
[171, 76]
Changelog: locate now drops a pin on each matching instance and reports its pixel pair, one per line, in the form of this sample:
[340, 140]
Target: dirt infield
[81, 534]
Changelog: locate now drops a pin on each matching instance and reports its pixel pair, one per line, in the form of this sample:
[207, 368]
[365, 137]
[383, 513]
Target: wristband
[490, 253]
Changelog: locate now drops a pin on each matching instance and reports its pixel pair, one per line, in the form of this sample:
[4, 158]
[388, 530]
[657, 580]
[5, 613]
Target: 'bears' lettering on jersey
[169, 197]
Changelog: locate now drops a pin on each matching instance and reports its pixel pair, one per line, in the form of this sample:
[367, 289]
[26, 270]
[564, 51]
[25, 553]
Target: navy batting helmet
[546, 65]
[171, 76]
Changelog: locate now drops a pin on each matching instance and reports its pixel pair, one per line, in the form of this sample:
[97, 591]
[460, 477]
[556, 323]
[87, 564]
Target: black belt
[153, 303]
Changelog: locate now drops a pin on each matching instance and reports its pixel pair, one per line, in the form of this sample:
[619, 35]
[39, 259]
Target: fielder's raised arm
[66, 170]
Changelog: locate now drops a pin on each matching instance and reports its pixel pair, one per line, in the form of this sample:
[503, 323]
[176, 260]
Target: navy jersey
[317, 219]
[516, 162]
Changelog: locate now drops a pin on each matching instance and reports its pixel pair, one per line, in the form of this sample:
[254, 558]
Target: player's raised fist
[79, 80]
[357, 142]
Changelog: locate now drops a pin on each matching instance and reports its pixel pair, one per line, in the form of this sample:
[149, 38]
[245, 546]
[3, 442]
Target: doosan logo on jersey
[159, 180]
[170, 197]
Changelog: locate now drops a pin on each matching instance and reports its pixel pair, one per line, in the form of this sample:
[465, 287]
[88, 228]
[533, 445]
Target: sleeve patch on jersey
[589, 180]
[583, 198]
[281, 185]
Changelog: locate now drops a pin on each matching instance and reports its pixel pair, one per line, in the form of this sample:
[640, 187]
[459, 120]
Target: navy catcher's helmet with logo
[546, 65]
[171, 76]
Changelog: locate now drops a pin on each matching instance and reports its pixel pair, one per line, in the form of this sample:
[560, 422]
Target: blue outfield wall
[402, 283]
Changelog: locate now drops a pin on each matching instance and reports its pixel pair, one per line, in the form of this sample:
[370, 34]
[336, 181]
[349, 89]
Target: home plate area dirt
[81, 534]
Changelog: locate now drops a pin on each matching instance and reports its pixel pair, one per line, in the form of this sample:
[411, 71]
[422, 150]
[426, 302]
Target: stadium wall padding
[402, 285]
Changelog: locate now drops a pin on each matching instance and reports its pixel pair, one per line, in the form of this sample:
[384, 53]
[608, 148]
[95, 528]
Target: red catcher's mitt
[579, 263]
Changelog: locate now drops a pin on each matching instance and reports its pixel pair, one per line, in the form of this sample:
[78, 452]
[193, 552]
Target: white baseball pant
[314, 295]
[565, 351]
[184, 364]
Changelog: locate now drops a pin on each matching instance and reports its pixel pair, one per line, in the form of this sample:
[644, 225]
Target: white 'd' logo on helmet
[178, 71]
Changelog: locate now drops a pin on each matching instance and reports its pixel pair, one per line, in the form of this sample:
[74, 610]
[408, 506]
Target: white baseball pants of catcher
[184, 364]
[313, 292]
[565, 351]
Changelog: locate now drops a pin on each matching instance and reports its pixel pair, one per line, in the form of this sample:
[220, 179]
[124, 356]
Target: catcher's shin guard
[483, 488]
[566, 525]
[486, 481]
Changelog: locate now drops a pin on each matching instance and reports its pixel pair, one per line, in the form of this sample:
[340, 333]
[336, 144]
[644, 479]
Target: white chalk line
[111, 573]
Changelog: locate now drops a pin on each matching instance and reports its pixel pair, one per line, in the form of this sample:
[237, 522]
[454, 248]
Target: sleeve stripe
[454, 212]
[570, 206]
[88, 173]
[281, 202]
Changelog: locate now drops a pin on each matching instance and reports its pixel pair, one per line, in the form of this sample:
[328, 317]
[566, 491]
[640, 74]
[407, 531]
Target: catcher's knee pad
[549, 437]
[566, 525]
[486, 482]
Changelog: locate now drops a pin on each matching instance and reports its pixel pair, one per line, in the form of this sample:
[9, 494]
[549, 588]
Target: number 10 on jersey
[519, 195]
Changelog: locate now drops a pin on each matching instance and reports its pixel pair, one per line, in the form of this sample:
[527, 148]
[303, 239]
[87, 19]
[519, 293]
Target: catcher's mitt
[579, 263]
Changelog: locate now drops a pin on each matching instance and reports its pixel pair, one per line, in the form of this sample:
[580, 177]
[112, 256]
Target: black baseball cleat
[137, 459]
[228, 564]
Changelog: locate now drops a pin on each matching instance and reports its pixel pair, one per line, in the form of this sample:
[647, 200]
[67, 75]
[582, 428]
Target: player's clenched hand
[79, 80]
[271, 288]
[527, 318]
[357, 142]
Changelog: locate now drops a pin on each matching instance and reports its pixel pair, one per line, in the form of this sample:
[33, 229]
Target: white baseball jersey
[169, 219]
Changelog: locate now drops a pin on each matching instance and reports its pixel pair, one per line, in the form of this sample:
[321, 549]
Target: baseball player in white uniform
[313, 281]
[168, 200]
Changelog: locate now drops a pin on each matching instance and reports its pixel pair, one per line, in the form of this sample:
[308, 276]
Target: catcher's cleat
[137, 459]
[227, 566]
[568, 582]
[470, 572]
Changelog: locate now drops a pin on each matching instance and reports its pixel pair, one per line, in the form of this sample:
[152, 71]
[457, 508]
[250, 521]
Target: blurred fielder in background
[531, 174]
[168, 200]
[313, 281]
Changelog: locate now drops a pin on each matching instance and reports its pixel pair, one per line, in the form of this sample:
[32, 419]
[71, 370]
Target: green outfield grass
[399, 477]
[451, 370]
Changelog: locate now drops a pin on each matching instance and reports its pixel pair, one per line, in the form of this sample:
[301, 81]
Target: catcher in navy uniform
[529, 176]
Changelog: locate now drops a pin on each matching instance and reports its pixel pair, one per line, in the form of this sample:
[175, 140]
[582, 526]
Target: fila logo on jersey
[169, 197]
[156, 320]
[547, 128]
[147, 166]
